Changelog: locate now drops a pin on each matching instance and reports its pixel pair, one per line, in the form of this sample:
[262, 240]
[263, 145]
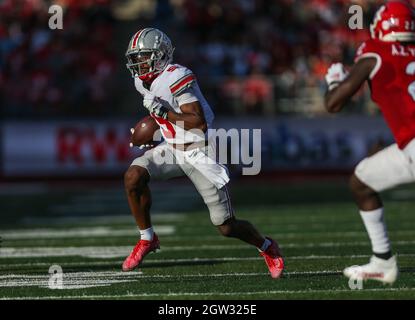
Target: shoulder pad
[369, 46]
[181, 79]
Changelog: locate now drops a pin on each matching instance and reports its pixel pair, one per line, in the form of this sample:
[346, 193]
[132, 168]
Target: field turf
[88, 232]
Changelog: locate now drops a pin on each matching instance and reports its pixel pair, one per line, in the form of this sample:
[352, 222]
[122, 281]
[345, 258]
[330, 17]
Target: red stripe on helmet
[137, 35]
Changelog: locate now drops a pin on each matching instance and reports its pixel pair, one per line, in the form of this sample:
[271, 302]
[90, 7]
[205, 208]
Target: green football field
[88, 232]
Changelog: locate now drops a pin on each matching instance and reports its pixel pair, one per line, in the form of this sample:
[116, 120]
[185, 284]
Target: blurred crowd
[46, 72]
[247, 54]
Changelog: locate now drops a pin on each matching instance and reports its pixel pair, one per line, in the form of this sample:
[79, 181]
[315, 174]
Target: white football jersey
[168, 86]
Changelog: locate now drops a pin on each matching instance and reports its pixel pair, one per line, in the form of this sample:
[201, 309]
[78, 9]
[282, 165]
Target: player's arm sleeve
[184, 92]
[336, 99]
[186, 96]
[183, 82]
[367, 64]
[368, 50]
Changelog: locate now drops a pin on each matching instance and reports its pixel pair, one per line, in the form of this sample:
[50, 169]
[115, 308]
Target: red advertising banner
[95, 148]
[66, 148]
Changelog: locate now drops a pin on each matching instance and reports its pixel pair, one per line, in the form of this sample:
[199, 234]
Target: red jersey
[392, 85]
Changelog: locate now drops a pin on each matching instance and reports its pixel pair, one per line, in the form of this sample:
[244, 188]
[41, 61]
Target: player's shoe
[141, 249]
[385, 271]
[273, 259]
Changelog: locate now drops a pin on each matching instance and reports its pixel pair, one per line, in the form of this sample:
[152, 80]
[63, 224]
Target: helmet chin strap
[149, 77]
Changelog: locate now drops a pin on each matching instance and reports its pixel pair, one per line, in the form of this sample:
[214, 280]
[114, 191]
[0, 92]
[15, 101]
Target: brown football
[144, 131]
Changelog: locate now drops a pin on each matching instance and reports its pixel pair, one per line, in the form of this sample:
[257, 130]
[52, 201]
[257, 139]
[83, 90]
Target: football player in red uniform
[387, 62]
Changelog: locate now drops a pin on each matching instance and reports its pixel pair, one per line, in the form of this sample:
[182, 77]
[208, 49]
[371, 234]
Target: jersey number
[171, 69]
[410, 70]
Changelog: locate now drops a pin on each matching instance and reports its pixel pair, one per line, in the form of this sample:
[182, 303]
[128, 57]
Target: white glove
[154, 106]
[335, 75]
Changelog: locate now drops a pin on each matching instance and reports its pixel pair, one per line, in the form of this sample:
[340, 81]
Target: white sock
[265, 245]
[147, 234]
[376, 229]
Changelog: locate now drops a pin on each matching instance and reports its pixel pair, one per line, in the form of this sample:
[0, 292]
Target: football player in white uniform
[173, 98]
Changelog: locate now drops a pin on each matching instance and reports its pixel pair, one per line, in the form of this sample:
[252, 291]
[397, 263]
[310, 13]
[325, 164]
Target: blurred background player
[387, 62]
[173, 98]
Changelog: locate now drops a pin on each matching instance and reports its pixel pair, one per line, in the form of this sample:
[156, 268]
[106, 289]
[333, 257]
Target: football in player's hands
[143, 132]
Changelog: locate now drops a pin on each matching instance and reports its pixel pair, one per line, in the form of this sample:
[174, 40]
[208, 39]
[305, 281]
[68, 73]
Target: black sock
[384, 256]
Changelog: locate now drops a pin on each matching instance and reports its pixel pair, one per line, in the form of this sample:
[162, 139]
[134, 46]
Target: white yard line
[77, 280]
[103, 219]
[191, 260]
[140, 275]
[79, 232]
[122, 251]
[99, 252]
[71, 280]
[290, 235]
[166, 230]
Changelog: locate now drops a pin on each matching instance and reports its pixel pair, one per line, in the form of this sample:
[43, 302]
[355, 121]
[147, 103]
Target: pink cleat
[273, 259]
[141, 249]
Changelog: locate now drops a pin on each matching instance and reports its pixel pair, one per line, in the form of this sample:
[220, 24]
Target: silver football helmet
[148, 53]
